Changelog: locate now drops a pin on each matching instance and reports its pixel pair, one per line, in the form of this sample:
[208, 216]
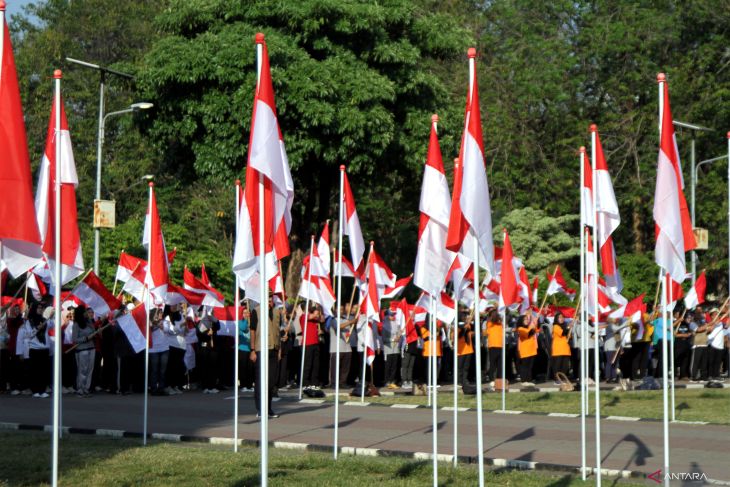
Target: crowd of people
[189, 350]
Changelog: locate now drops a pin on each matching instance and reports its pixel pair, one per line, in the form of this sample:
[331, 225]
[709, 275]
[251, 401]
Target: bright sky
[16, 6]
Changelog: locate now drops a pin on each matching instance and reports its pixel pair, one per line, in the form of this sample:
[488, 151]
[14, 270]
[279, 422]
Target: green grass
[692, 404]
[92, 461]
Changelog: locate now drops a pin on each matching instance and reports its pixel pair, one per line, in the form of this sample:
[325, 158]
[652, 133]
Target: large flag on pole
[433, 260]
[97, 297]
[267, 158]
[323, 248]
[71, 258]
[509, 287]
[134, 325]
[352, 229]
[20, 242]
[157, 275]
[607, 217]
[674, 234]
[470, 208]
[696, 295]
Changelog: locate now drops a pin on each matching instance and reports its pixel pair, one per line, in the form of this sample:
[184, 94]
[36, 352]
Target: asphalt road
[635, 445]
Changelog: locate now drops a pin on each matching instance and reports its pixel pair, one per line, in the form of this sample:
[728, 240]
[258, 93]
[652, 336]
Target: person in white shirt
[85, 352]
[716, 341]
[159, 352]
[176, 330]
[34, 337]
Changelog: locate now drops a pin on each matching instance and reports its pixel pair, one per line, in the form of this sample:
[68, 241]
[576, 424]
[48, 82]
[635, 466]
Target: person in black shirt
[683, 347]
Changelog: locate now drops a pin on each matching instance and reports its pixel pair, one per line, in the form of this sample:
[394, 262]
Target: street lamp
[694, 128]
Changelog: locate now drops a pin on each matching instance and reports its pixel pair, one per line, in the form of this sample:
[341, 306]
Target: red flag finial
[342, 167]
[434, 118]
[238, 182]
[582, 150]
[259, 39]
[593, 127]
[372, 242]
[152, 185]
[471, 53]
[57, 74]
[2, 5]
[728, 135]
[661, 77]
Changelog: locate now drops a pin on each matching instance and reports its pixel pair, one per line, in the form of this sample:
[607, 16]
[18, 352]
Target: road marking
[311, 401]
[622, 418]
[507, 411]
[451, 408]
[404, 406]
[290, 446]
[563, 415]
[356, 403]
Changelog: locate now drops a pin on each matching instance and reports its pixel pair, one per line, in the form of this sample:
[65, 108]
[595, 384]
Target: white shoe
[213, 391]
[206, 391]
[44, 395]
[275, 399]
[36, 395]
[26, 392]
[14, 392]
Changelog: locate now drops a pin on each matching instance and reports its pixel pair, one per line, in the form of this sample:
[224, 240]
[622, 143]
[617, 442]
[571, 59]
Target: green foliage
[639, 274]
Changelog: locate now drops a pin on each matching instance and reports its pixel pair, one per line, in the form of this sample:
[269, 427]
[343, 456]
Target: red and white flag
[127, 265]
[94, 293]
[179, 295]
[433, 260]
[135, 285]
[674, 292]
[157, 275]
[134, 326]
[384, 277]
[509, 283]
[607, 217]
[347, 268]
[525, 293]
[696, 295]
[226, 317]
[266, 159]
[586, 192]
[470, 208]
[445, 306]
[319, 290]
[204, 275]
[633, 310]
[396, 290]
[351, 228]
[71, 258]
[557, 284]
[323, 248]
[372, 298]
[674, 234]
[36, 286]
[535, 285]
[212, 297]
[19, 238]
[369, 340]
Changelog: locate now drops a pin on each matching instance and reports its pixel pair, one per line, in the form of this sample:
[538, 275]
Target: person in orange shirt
[426, 336]
[527, 346]
[465, 350]
[561, 347]
[494, 345]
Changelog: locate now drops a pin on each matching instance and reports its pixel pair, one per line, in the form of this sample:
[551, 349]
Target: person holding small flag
[527, 331]
[560, 347]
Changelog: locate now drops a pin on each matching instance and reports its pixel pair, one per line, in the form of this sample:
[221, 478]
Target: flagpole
[728, 210]
[582, 152]
[455, 348]
[434, 380]
[596, 363]
[236, 364]
[264, 302]
[504, 343]
[339, 313]
[472, 53]
[147, 336]
[367, 323]
[306, 316]
[57, 75]
[670, 326]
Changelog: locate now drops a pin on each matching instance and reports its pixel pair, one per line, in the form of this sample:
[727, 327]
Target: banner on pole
[104, 213]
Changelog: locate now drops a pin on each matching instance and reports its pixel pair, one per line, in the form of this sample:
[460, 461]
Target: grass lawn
[692, 404]
[92, 461]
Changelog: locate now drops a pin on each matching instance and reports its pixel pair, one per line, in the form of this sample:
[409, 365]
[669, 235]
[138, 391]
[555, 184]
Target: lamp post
[694, 128]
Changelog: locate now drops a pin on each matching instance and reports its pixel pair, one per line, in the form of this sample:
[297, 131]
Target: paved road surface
[633, 446]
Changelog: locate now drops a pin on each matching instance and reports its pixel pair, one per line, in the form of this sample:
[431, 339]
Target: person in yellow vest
[494, 345]
[561, 346]
[465, 350]
[527, 346]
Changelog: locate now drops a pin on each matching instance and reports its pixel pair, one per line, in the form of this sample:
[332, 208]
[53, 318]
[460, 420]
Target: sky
[16, 6]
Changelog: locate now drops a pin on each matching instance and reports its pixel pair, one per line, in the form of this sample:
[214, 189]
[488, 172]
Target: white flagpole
[339, 314]
[237, 299]
[660, 82]
[596, 363]
[367, 323]
[147, 309]
[455, 348]
[306, 316]
[504, 345]
[728, 208]
[263, 325]
[430, 369]
[57, 75]
[669, 328]
[434, 381]
[480, 432]
[582, 322]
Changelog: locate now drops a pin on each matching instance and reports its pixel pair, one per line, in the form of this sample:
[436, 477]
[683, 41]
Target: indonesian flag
[396, 290]
[352, 229]
[19, 237]
[71, 258]
[612, 296]
[372, 298]
[557, 284]
[204, 275]
[134, 325]
[226, 317]
[266, 158]
[674, 234]
[347, 268]
[36, 286]
[607, 217]
[696, 295]
[314, 265]
[94, 293]
[323, 248]
[586, 192]
[127, 265]
[384, 277]
[319, 290]
[674, 292]
[135, 285]
[445, 306]
[509, 287]
[433, 260]
[535, 284]
[633, 310]
[157, 275]
[525, 293]
[470, 209]
[178, 295]
[369, 340]
[213, 297]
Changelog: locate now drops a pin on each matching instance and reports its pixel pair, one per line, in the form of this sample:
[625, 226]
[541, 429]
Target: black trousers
[4, 368]
[345, 360]
[311, 365]
[699, 363]
[39, 365]
[68, 369]
[271, 382]
[392, 361]
[715, 360]
[526, 368]
[464, 364]
[495, 363]
[561, 363]
[408, 364]
[284, 364]
[682, 356]
[208, 364]
[176, 367]
[639, 367]
[245, 369]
